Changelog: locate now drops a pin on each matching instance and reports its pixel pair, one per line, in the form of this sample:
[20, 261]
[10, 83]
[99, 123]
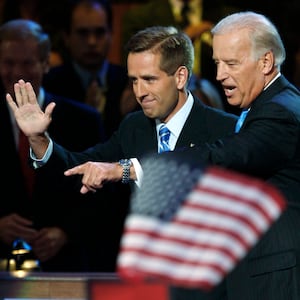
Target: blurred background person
[37, 215]
[88, 76]
[43, 12]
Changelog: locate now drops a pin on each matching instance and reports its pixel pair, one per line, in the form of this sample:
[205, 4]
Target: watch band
[126, 164]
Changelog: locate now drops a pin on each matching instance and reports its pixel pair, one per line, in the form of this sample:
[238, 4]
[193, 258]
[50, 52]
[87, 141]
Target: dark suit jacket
[135, 137]
[267, 146]
[77, 127]
[63, 80]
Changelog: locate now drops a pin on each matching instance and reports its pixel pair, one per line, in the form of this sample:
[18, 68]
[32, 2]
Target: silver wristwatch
[126, 164]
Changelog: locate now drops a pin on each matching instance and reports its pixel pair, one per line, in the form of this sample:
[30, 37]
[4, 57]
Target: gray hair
[263, 34]
[21, 30]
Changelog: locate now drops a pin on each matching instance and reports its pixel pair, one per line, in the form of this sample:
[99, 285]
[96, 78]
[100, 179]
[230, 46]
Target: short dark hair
[103, 3]
[175, 47]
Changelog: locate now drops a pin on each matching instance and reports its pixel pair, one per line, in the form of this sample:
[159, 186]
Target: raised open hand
[28, 114]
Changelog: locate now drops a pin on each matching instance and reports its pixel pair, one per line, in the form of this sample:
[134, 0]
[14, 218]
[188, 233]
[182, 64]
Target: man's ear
[182, 75]
[267, 62]
[46, 64]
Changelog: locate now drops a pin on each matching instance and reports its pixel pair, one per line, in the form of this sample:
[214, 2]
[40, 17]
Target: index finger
[11, 102]
[74, 171]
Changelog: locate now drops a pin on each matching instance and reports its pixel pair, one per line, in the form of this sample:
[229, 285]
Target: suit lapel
[192, 134]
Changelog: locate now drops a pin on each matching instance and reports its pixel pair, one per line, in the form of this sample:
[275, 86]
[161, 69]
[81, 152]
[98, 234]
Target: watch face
[125, 162]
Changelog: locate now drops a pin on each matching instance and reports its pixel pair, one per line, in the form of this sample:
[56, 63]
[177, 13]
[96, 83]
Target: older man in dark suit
[40, 216]
[249, 53]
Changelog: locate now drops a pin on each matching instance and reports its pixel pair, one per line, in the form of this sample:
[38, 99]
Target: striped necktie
[164, 134]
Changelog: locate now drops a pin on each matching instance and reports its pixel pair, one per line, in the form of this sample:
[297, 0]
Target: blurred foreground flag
[190, 225]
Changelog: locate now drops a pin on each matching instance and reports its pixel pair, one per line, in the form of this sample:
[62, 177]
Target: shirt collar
[278, 75]
[176, 123]
[85, 75]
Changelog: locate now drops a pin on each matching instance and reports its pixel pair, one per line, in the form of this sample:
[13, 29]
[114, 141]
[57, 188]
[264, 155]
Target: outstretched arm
[29, 116]
[96, 174]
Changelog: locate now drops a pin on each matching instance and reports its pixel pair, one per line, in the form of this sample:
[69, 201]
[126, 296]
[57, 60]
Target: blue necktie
[164, 134]
[241, 119]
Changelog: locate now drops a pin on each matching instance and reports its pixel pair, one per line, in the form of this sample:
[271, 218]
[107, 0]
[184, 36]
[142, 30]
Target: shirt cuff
[37, 163]
[138, 171]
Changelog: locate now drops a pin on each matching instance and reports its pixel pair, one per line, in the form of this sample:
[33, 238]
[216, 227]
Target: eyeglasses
[84, 33]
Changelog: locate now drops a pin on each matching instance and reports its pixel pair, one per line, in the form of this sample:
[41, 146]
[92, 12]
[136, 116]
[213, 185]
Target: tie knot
[164, 130]
[164, 134]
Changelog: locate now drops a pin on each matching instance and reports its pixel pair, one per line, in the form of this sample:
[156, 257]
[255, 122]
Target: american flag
[190, 225]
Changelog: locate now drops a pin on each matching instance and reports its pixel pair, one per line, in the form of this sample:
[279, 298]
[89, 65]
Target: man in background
[87, 76]
[38, 216]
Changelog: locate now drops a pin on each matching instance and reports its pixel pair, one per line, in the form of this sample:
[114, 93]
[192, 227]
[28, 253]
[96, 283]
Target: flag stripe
[166, 245]
[178, 233]
[159, 266]
[245, 188]
[235, 205]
